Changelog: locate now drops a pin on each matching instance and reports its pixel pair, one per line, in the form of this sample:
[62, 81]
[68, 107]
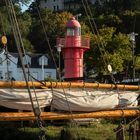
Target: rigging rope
[27, 80]
[20, 48]
[58, 71]
[88, 10]
[113, 79]
[46, 37]
[5, 50]
[101, 49]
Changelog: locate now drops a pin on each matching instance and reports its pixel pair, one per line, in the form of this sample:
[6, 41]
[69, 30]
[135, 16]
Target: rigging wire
[46, 37]
[101, 49]
[17, 35]
[20, 49]
[131, 122]
[5, 49]
[58, 71]
[98, 32]
[88, 10]
[22, 46]
[21, 43]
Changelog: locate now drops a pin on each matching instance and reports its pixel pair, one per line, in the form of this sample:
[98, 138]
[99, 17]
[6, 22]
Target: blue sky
[25, 7]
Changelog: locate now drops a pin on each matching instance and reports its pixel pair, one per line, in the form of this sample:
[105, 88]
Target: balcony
[85, 42]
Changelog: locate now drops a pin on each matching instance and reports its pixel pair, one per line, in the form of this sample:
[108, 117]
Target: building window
[0, 61]
[57, 7]
[69, 6]
[27, 60]
[43, 61]
[54, 8]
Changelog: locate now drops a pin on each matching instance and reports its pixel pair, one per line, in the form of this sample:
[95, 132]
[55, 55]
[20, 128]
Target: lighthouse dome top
[73, 23]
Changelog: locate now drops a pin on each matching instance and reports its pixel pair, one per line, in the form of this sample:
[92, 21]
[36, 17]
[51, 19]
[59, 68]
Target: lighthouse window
[70, 32]
[78, 32]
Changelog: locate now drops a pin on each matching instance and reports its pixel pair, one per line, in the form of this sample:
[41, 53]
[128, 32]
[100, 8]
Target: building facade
[40, 67]
[57, 5]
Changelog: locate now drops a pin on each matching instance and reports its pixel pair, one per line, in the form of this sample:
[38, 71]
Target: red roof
[73, 23]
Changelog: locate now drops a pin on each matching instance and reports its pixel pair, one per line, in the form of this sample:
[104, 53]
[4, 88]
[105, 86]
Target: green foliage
[116, 62]
[54, 25]
[28, 46]
[100, 130]
[4, 22]
[137, 62]
[121, 44]
[25, 21]
[111, 48]
[110, 20]
[116, 6]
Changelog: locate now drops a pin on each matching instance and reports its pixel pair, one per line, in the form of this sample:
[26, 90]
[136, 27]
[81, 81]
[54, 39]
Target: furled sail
[19, 98]
[65, 100]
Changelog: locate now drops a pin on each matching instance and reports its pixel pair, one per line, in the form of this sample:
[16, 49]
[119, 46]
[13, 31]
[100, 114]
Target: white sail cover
[81, 100]
[19, 98]
[68, 100]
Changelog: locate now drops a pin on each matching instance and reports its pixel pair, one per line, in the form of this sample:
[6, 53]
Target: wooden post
[131, 132]
[138, 130]
[120, 132]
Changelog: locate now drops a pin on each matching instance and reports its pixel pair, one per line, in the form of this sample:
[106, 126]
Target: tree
[117, 6]
[24, 22]
[137, 63]
[4, 22]
[54, 24]
[109, 48]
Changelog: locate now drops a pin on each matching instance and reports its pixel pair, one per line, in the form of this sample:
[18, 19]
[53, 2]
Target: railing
[85, 42]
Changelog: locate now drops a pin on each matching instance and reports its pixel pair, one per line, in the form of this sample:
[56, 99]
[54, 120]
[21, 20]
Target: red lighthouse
[73, 48]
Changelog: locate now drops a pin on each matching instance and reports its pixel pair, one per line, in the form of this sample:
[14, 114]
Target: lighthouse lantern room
[73, 49]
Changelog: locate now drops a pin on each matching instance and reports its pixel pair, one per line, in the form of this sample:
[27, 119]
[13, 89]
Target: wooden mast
[23, 116]
[22, 84]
